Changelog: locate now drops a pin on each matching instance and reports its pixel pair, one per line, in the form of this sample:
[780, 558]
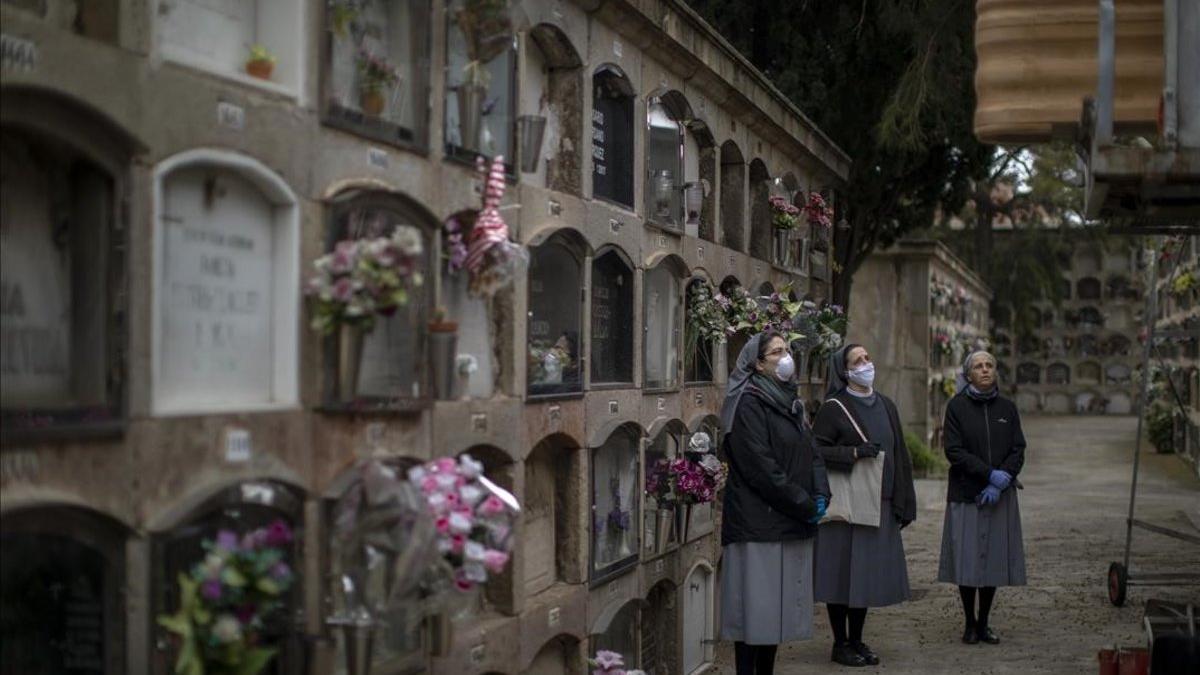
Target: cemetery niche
[481, 69]
[612, 136]
[662, 315]
[555, 314]
[615, 512]
[612, 318]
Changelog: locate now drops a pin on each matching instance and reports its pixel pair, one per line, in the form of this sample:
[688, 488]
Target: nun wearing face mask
[776, 493]
[859, 566]
[981, 534]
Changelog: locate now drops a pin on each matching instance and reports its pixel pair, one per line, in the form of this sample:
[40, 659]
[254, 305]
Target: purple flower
[211, 590]
[281, 572]
[278, 533]
[227, 540]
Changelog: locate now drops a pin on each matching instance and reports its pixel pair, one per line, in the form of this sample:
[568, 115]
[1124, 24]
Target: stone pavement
[1076, 478]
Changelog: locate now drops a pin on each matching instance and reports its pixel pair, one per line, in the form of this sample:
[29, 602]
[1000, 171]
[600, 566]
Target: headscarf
[962, 380]
[738, 380]
[836, 379]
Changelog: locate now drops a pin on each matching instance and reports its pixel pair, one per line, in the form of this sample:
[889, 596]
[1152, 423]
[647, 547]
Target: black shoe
[986, 635]
[846, 655]
[865, 652]
[970, 636]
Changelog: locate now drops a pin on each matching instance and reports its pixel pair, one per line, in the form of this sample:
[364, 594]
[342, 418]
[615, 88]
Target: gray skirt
[861, 566]
[981, 545]
[766, 592]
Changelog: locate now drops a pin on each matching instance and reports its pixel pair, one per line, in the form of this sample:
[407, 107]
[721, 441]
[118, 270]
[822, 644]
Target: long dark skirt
[861, 566]
[981, 545]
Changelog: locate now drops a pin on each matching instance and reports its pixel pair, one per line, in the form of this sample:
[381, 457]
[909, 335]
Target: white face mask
[863, 375]
[785, 369]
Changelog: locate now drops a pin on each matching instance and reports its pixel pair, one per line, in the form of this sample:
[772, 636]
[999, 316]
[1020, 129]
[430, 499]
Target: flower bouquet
[364, 278]
[818, 212]
[226, 600]
[706, 322]
[784, 216]
[473, 518]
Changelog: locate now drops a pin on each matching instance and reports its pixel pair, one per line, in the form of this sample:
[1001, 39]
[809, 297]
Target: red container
[1133, 661]
[1108, 661]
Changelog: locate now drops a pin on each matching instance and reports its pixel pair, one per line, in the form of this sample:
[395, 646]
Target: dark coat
[837, 439]
[774, 474]
[980, 436]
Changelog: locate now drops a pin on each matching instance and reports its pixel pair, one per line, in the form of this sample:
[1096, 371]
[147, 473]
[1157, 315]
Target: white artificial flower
[460, 524]
[469, 467]
[416, 473]
[446, 481]
[437, 502]
[711, 464]
[227, 629]
[700, 442]
[466, 364]
[474, 551]
[470, 495]
[408, 240]
[475, 571]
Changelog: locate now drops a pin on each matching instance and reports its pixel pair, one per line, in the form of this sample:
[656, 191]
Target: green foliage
[891, 82]
[1160, 427]
[925, 461]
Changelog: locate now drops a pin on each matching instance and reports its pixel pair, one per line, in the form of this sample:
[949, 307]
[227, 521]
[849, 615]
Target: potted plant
[487, 30]
[261, 62]
[359, 281]
[443, 340]
[375, 75]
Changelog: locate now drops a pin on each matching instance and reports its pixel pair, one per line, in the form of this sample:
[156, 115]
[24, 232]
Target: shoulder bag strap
[851, 418]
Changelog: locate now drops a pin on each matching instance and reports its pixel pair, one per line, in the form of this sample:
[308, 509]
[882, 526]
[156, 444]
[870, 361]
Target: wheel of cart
[1118, 583]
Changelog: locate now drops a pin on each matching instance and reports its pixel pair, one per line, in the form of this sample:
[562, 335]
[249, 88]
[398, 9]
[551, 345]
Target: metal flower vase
[666, 521]
[532, 130]
[470, 114]
[358, 641]
[349, 351]
[784, 248]
[443, 346]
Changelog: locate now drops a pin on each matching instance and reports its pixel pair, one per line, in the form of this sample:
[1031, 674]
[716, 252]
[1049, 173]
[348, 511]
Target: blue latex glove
[822, 504]
[1000, 479]
[989, 496]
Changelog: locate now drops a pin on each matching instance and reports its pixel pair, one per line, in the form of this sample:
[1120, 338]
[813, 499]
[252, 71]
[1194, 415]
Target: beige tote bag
[857, 494]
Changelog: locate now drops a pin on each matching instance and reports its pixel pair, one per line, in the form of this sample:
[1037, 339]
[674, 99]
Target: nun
[981, 535]
[776, 492]
[861, 566]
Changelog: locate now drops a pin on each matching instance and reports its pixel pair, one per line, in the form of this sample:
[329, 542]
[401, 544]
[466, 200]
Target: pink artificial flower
[457, 543]
[442, 525]
[609, 660]
[278, 533]
[343, 289]
[429, 484]
[495, 560]
[445, 465]
[491, 506]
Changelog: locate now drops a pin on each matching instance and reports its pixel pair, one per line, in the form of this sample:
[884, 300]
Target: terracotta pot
[1037, 61]
[260, 69]
[371, 101]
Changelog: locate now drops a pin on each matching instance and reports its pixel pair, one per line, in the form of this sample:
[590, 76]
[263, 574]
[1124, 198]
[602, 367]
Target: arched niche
[735, 342]
[760, 210]
[553, 507]
[702, 148]
[393, 363]
[344, 503]
[662, 319]
[553, 91]
[616, 630]
[660, 630]
[1088, 372]
[1088, 288]
[612, 136]
[1058, 403]
[1028, 402]
[615, 503]
[560, 655]
[1058, 373]
[666, 117]
[612, 317]
[1118, 374]
[698, 351]
[62, 591]
[241, 507]
[1029, 373]
[63, 247]
[733, 196]
[699, 617]
[480, 108]
[1090, 403]
[556, 313]
[665, 441]
[224, 226]
[474, 330]
[1119, 403]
